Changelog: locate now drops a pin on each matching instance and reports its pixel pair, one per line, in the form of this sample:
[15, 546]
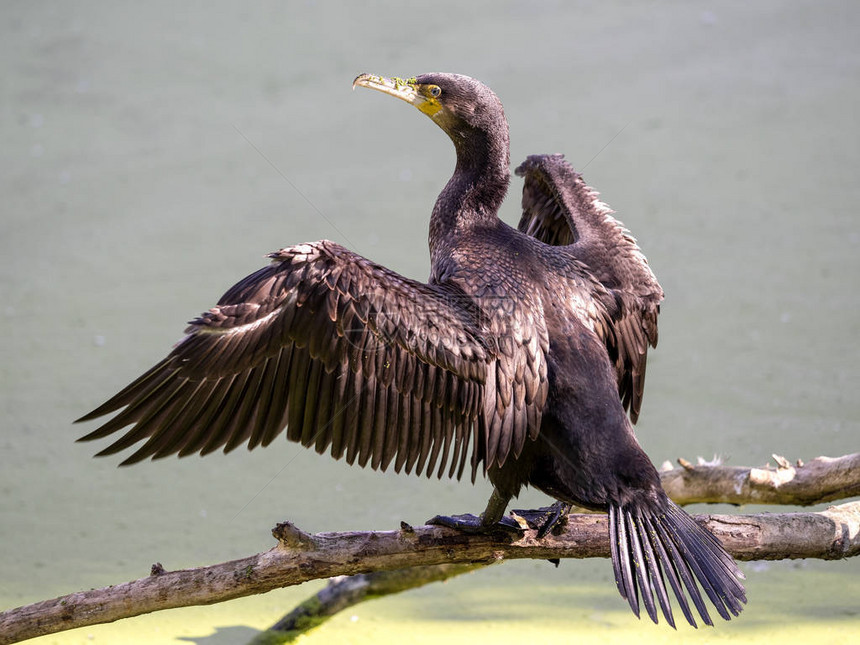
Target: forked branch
[299, 557]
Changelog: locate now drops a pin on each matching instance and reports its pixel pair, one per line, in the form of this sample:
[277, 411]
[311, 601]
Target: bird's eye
[435, 91]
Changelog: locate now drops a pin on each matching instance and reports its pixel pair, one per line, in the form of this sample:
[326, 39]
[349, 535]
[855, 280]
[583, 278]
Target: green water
[132, 198]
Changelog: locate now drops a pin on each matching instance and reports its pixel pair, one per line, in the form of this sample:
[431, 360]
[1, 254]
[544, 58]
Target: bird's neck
[474, 193]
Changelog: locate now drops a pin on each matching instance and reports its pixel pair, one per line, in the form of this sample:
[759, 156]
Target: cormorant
[525, 348]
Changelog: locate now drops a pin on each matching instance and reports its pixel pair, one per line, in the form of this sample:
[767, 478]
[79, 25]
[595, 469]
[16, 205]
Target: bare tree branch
[345, 591]
[299, 557]
[388, 562]
[823, 479]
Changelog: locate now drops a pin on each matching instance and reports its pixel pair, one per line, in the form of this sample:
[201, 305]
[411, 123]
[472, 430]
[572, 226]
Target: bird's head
[466, 109]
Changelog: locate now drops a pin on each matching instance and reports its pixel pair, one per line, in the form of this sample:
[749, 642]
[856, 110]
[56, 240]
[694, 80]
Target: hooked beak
[404, 89]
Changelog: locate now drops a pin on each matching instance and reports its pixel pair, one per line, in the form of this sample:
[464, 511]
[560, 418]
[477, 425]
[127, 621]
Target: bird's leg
[490, 520]
[545, 519]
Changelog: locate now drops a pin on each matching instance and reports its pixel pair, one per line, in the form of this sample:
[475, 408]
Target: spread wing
[560, 209]
[344, 353]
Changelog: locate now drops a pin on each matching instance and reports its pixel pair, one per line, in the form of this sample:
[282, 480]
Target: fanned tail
[651, 546]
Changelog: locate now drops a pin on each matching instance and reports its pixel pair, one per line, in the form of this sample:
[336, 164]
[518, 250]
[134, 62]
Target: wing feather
[266, 404]
[560, 209]
[276, 414]
[345, 355]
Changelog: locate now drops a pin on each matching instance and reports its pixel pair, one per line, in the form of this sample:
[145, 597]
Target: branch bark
[821, 480]
[299, 557]
[345, 591]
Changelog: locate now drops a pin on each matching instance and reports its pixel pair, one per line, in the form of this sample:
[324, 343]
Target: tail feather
[715, 569]
[619, 546]
[666, 564]
[649, 575]
[650, 547]
[680, 563]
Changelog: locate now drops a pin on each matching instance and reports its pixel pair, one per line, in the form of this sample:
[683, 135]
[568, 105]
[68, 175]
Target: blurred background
[154, 152]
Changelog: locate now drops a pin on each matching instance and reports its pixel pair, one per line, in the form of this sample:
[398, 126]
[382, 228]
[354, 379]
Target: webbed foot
[547, 518]
[475, 525]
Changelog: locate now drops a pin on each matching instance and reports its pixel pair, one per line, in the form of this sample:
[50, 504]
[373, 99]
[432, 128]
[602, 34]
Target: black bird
[525, 349]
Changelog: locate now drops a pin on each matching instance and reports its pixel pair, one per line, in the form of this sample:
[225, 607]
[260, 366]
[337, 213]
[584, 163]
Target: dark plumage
[522, 354]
